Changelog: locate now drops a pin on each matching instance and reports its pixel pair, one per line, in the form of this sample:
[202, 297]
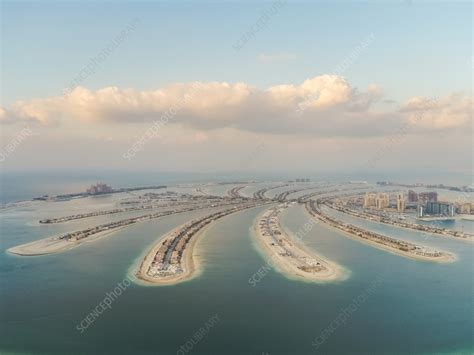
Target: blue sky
[281, 89]
[419, 48]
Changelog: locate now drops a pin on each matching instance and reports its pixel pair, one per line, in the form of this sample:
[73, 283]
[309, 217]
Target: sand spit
[390, 244]
[288, 256]
[171, 260]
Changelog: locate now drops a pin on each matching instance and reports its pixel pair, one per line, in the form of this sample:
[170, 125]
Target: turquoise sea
[409, 307]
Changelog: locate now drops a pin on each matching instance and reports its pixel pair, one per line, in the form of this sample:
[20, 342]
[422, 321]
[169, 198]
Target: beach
[443, 257]
[53, 245]
[301, 257]
[190, 263]
[171, 259]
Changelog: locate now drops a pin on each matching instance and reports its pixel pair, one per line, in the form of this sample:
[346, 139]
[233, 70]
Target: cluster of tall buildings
[425, 203]
[428, 205]
[440, 209]
[99, 188]
[444, 209]
[422, 197]
[379, 200]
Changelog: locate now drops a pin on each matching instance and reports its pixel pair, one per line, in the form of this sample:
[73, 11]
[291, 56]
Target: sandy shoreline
[446, 258]
[191, 265]
[468, 239]
[189, 262]
[288, 266]
[53, 245]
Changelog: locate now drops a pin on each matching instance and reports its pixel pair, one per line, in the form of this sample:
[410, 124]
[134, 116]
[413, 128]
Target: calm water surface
[416, 308]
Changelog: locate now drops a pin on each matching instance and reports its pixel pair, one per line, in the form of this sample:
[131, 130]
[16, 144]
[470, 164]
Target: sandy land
[190, 264]
[52, 245]
[468, 238]
[446, 258]
[45, 246]
[288, 266]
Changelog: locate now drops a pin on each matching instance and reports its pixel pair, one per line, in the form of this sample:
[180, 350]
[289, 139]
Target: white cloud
[451, 111]
[332, 107]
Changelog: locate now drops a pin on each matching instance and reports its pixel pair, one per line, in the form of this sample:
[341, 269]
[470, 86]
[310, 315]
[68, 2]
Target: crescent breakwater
[190, 200]
[287, 256]
[66, 197]
[391, 244]
[170, 260]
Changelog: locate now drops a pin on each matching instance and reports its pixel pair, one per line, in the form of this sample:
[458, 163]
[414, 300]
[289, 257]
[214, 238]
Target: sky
[237, 86]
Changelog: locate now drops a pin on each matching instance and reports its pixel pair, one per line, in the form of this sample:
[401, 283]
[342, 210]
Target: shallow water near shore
[417, 308]
[269, 263]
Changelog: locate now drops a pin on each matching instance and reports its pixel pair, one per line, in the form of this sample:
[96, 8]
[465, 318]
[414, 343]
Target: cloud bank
[325, 105]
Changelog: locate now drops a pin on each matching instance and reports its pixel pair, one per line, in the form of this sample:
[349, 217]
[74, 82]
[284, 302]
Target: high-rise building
[424, 197]
[400, 202]
[420, 211]
[412, 196]
[99, 188]
[369, 199]
[465, 208]
[440, 209]
[382, 201]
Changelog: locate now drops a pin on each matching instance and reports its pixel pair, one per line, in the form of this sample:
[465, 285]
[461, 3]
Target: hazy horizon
[273, 86]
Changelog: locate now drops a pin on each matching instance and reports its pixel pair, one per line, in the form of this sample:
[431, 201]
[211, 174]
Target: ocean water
[409, 307]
